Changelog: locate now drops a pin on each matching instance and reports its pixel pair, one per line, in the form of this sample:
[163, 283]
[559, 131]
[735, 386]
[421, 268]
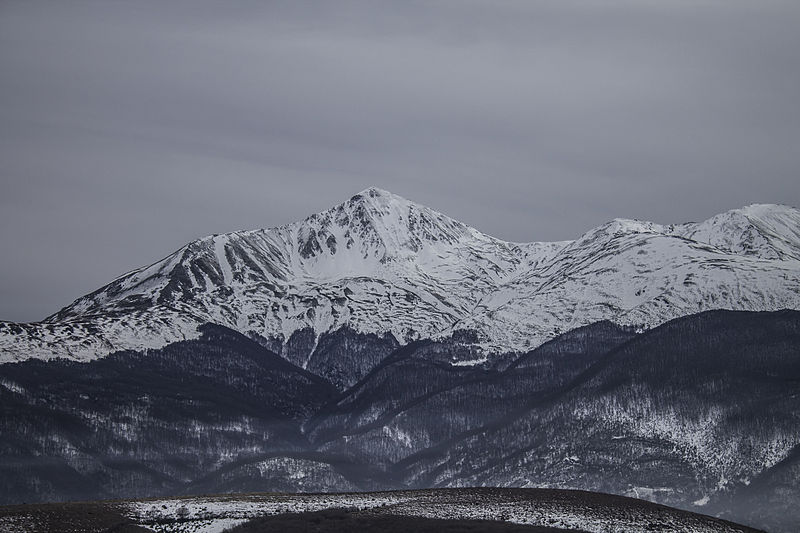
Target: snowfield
[381, 264]
[592, 512]
[564, 509]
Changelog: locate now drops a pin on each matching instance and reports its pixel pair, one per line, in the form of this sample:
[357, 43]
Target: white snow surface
[210, 512]
[379, 263]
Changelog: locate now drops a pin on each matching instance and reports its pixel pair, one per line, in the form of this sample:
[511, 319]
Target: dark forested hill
[147, 423]
[701, 413]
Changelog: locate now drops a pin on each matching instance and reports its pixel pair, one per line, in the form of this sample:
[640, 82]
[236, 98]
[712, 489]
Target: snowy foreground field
[565, 510]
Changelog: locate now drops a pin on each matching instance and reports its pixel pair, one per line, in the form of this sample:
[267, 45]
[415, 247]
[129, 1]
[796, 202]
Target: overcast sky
[128, 129]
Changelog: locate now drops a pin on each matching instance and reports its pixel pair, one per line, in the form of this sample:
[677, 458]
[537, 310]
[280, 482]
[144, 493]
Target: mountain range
[381, 345]
[382, 266]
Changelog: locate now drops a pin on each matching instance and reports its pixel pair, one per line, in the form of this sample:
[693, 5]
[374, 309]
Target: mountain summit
[380, 264]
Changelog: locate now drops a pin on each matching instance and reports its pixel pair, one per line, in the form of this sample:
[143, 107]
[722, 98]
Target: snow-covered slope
[643, 274]
[381, 264]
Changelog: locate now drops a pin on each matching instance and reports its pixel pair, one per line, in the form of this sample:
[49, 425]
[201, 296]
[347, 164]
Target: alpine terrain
[383, 266]
[381, 345]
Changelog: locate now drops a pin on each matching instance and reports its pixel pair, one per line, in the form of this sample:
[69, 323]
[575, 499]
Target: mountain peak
[375, 203]
[753, 212]
[378, 199]
[377, 192]
[756, 209]
[376, 223]
[768, 231]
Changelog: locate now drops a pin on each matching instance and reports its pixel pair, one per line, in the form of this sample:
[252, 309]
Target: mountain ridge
[380, 264]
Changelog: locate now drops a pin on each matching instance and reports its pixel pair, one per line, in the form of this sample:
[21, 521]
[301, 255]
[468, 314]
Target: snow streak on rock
[381, 264]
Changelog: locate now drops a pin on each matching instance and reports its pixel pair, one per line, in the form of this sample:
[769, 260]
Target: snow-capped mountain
[381, 264]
